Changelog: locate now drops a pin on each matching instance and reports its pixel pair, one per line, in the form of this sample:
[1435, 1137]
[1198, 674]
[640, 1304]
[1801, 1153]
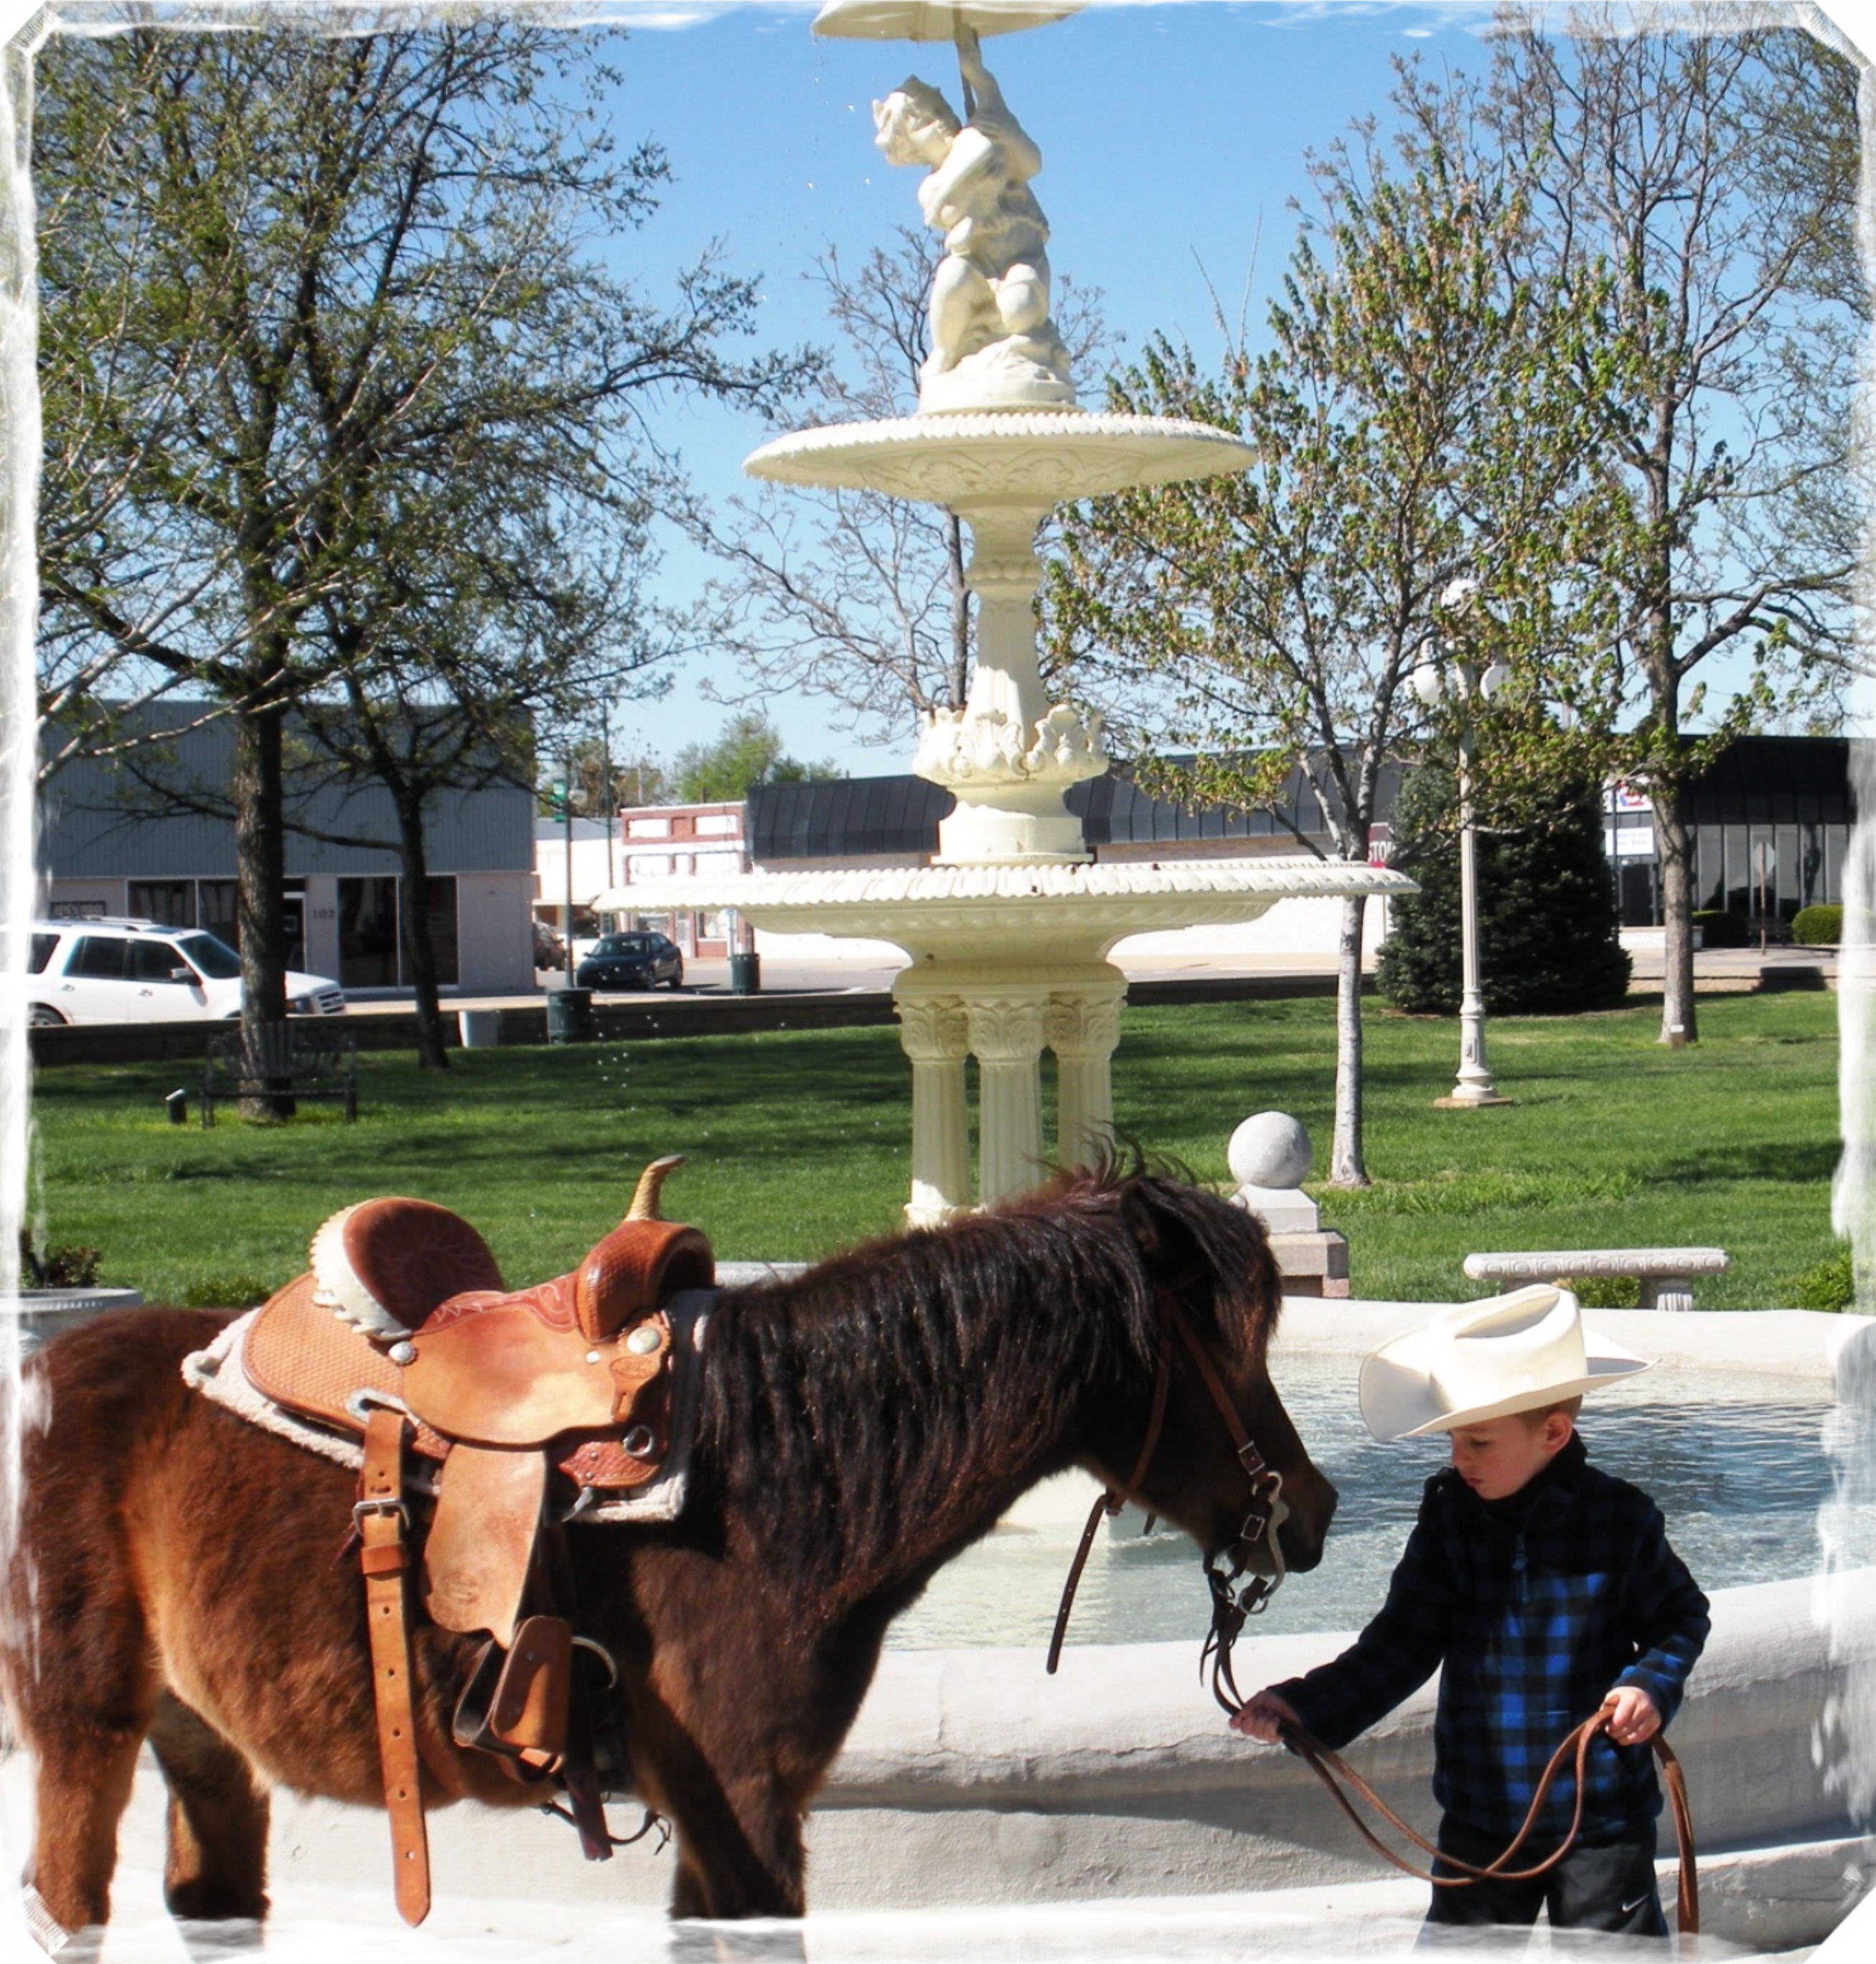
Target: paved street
[1716, 971]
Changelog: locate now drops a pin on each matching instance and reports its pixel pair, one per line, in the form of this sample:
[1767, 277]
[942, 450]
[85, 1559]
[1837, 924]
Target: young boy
[1545, 1588]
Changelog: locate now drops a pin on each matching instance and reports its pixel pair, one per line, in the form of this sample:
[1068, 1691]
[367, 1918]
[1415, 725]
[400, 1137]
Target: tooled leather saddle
[403, 1335]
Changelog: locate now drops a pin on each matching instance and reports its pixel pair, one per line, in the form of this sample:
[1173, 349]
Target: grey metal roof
[102, 819]
[1776, 781]
[864, 818]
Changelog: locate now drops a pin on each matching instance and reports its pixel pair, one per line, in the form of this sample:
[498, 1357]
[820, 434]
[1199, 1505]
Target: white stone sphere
[1269, 1149]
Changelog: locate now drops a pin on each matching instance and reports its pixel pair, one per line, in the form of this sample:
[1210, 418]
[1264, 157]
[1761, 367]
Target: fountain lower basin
[1106, 1813]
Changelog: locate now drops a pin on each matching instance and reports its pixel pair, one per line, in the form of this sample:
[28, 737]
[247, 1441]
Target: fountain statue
[1008, 930]
[993, 344]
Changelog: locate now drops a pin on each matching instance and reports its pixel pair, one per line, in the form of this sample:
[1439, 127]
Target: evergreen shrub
[1818, 927]
[1719, 928]
[1548, 932]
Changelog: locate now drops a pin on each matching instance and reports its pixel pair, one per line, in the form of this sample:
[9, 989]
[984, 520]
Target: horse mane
[920, 1378]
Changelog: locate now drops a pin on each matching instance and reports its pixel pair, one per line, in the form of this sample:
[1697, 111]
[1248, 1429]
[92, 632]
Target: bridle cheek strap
[1112, 1500]
[1268, 1511]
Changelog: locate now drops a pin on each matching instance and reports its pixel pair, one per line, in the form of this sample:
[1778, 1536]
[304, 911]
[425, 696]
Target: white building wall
[322, 920]
[1292, 927]
[495, 935]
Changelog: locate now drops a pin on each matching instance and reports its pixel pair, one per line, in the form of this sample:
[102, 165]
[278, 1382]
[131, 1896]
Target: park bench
[1666, 1274]
[307, 1059]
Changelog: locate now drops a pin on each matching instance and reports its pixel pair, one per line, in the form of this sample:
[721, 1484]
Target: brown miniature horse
[176, 1577]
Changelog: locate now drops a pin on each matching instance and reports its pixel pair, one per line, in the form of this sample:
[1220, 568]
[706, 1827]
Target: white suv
[134, 971]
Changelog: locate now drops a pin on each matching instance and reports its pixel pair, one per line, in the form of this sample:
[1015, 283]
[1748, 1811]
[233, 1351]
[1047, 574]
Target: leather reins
[1230, 1606]
[1330, 1769]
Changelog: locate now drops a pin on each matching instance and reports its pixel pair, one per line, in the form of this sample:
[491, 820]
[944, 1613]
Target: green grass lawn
[798, 1143]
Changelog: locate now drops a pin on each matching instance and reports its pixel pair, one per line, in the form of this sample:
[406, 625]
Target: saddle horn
[651, 1181]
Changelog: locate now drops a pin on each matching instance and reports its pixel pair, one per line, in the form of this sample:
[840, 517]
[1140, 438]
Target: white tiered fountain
[1009, 929]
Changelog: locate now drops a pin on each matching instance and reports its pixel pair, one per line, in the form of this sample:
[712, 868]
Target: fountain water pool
[1736, 1462]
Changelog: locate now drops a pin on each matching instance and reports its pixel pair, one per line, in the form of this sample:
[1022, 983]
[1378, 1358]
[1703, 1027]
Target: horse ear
[1171, 1251]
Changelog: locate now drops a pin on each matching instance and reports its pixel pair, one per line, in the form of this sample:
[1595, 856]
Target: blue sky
[1173, 135]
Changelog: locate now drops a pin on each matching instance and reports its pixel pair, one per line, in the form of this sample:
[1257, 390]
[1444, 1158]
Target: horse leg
[81, 1686]
[215, 1866]
[86, 1760]
[738, 1827]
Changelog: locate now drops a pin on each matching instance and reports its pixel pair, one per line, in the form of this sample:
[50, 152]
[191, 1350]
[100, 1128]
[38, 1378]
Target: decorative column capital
[934, 1030]
[1006, 1029]
[1080, 1025]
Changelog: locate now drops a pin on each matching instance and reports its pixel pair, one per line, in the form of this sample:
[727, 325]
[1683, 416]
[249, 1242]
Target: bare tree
[1414, 419]
[296, 292]
[1666, 156]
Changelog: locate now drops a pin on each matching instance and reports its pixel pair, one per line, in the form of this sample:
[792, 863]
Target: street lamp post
[1463, 682]
[567, 794]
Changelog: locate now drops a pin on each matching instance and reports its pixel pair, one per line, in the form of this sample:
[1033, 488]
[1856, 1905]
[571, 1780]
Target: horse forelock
[908, 1375]
[1214, 1257]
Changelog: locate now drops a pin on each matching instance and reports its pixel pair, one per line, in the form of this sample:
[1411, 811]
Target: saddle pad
[220, 1373]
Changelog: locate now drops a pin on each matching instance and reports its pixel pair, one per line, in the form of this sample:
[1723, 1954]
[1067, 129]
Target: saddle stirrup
[384, 1557]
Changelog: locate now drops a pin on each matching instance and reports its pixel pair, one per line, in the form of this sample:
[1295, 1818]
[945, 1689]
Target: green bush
[1605, 1291]
[67, 1267]
[1818, 927]
[1549, 943]
[1719, 928]
[1830, 1284]
[226, 1292]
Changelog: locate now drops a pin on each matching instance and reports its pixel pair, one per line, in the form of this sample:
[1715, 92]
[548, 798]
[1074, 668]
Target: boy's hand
[1633, 1720]
[1261, 1717]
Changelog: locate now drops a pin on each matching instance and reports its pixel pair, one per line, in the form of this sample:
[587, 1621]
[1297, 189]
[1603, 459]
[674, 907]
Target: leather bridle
[1231, 1606]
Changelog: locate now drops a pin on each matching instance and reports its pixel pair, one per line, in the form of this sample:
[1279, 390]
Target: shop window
[169, 903]
[218, 909]
[440, 909]
[367, 932]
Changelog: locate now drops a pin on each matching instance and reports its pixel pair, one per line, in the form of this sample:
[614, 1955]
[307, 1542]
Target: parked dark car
[631, 961]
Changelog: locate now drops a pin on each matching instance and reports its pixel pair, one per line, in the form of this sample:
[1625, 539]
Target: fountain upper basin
[1027, 460]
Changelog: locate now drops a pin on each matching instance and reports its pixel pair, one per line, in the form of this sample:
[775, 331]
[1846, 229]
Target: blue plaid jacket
[1537, 1606]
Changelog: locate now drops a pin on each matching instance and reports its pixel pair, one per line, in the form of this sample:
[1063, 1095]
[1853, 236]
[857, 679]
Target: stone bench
[1666, 1274]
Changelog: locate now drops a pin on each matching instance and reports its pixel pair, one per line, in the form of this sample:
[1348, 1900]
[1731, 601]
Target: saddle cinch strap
[403, 1331]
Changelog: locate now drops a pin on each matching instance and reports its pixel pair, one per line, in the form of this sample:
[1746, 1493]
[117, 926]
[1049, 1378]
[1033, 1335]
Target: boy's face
[1496, 1456]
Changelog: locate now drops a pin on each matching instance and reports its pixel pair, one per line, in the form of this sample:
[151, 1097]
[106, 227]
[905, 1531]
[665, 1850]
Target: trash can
[746, 975]
[480, 1029]
[570, 1016]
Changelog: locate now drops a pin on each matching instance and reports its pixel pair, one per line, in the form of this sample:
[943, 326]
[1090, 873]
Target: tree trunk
[1674, 849]
[414, 914]
[260, 880]
[1346, 1165]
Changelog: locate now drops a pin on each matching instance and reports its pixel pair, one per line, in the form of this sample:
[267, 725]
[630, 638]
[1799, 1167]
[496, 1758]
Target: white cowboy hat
[1476, 1361]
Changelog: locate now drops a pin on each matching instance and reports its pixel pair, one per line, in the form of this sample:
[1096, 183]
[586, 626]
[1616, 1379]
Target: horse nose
[1307, 1528]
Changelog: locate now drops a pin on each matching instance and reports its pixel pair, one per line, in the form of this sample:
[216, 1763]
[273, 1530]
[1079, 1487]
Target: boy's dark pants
[1610, 1888]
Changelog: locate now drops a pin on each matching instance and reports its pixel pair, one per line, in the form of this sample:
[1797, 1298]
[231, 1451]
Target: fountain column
[1006, 1036]
[935, 1033]
[1083, 1026]
[1007, 755]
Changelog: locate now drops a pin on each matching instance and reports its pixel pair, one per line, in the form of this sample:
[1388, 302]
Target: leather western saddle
[403, 1333]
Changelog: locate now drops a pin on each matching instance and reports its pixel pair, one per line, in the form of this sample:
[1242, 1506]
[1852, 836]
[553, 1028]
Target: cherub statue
[994, 344]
